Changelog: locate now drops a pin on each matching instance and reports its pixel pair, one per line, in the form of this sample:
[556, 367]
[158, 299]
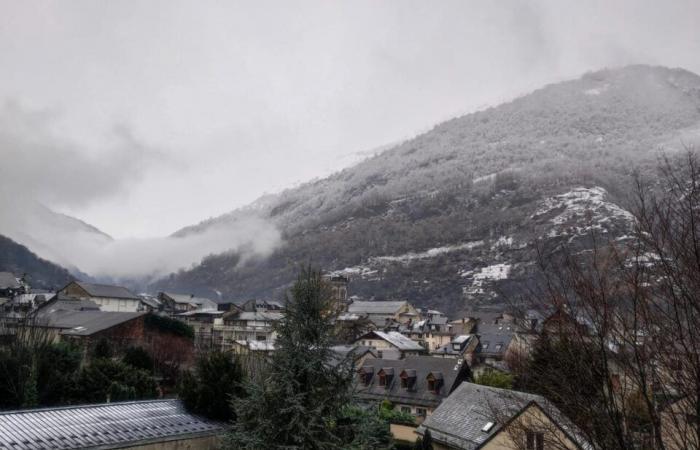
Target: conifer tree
[299, 399]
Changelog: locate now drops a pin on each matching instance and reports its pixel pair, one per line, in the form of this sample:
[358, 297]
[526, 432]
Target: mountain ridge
[478, 177]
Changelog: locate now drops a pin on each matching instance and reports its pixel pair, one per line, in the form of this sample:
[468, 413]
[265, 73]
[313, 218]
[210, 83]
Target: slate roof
[9, 281]
[495, 342]
[419, 395]
[396, 339]
[103, 426]
[201, 302]
[376, 307]
[107, 290]
[75, 322]
[459, 421]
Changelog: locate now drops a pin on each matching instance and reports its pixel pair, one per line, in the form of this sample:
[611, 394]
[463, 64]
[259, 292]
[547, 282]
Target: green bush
[495, 378]
[168, 325]
[102, 378]
[139, 358]
[210, 387]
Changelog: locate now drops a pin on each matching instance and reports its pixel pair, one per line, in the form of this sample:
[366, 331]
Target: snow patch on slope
[580, 211]
[367, 270]
[485, 275]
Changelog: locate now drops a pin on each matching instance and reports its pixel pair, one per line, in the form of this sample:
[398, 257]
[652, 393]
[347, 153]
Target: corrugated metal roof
[110, 425]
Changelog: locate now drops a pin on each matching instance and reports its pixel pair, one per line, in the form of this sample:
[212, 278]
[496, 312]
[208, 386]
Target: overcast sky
[143, 117]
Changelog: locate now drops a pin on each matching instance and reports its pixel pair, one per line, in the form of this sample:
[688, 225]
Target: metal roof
[85, 322]
[376, 307]
[396, 339]
[110, 425]
[106, 290]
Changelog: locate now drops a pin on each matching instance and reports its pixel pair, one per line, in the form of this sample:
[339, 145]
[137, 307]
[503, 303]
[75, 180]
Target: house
[432, 332]
[242, 347]
[679, 424]
[496, 344]
[358, 353]
[244, 326]
[142, 425]
[462, 326]
[415, 385]
[150, 303]
[462, 347]
[202, 322]
[390, 345]
[77, 319]
[10, 285]
[476, 417]
[108, 297]
[262, 306]
[179, 303]
[382, 312]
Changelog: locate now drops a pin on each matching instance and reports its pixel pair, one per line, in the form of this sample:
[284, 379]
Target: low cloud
[42, 168]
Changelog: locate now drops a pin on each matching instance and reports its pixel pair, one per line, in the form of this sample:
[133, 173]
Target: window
[421, 412]
[534, 441]
[406, 409]
[404, 382]
[382, 379]
[431, 385]
[499, 347]
[484, 346]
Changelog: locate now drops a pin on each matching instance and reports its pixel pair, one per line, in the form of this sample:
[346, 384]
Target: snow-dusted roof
[398, 340]
[376, 307]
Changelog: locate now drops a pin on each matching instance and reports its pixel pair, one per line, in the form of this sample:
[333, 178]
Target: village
[449, 379]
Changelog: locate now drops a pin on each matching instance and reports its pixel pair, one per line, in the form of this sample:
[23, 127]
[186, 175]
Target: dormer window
[434, 382]
[385, 375]
[365, 374]
[408, 379]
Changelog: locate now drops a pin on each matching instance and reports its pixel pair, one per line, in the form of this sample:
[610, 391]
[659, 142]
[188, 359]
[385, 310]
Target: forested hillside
[449, 219]
[18, 259]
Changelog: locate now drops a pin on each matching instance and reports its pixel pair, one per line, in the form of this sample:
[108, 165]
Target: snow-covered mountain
[448, 219]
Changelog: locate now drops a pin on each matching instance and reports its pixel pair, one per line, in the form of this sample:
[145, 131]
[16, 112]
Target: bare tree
[624, 322]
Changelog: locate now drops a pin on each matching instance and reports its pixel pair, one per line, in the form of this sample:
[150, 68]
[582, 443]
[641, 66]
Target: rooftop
[398, 340]
[450, 371]
[106, 290]
[461, 419]
[111, 425]
[376, 307]
[82, 322]
[191, 300]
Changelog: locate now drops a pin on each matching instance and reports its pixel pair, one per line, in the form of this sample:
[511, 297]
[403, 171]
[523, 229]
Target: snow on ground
[489, 177]
[581, 210]
[366, 271]
[597, 91]
[484, 275]
[503, 241]
[431, 253]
